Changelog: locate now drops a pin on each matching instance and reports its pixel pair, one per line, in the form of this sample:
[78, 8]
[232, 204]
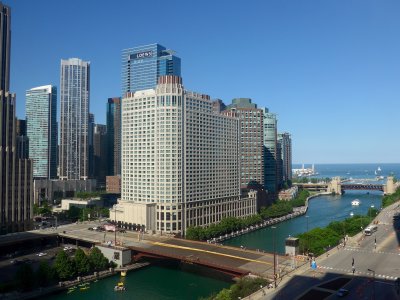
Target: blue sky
[329, 69]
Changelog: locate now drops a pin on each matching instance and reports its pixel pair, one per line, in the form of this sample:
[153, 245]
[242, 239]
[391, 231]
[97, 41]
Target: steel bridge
[373, 187]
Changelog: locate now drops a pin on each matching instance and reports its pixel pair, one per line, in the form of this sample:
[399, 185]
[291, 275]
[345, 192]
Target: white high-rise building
[180, 161]
[74, 96]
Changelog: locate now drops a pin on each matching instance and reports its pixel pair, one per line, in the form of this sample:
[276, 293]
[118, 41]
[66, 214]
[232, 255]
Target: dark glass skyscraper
[114, 136]
[143, 65]
[16, 197]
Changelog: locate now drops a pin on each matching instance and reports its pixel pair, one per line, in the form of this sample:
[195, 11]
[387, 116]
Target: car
[15, 262]
[342, 292]
[41, 254]
[67, 248]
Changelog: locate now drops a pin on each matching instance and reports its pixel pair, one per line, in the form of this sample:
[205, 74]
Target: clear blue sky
[329, 69]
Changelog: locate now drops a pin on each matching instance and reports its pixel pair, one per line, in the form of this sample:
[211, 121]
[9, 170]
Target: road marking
[210, 252]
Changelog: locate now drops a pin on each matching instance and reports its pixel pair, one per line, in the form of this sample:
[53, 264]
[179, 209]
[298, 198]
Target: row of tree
[318, 240]
[63, 268]
[231, 224]
[390, 199]
[241, 289]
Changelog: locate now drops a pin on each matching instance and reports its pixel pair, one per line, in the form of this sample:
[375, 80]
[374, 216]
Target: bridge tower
[390, 186]
[335, 186]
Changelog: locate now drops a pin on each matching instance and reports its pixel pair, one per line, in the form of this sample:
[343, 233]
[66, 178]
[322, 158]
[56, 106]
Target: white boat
[355, 202]
[379, 169]
[351, 214]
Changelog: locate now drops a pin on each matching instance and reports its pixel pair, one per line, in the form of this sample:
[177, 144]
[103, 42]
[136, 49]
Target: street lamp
[307, 216]
[373, 295]
[273, 243]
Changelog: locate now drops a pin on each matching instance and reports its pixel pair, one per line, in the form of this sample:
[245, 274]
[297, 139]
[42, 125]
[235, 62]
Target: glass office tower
[143, 65]
[41, 127]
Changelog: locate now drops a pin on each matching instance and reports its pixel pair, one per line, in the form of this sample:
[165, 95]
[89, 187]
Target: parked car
[41, 254]
[342, 292]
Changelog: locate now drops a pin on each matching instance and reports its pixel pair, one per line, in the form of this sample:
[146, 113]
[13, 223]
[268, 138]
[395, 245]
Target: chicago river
[180, 281]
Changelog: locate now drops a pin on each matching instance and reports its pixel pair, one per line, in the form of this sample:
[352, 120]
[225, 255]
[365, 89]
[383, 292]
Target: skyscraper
[270, 152]
[114, 136]
[99, 153]
[180, 160]
[74, 125]
[143, 65]
[16, 197]
[41, 126]
[251, 143]
[285, 140]
[22, 139]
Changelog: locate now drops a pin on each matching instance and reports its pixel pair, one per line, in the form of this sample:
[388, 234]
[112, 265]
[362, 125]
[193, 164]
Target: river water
[179, 281]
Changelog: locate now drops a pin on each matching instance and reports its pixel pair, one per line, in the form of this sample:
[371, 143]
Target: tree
[64, 266]
[97, 259]
[45, 274]
[24, 278]
[82, 263]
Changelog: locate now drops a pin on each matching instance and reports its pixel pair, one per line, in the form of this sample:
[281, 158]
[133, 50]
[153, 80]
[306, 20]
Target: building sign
[140, 55]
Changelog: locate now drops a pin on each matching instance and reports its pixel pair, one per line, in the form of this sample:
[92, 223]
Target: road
[375, 268]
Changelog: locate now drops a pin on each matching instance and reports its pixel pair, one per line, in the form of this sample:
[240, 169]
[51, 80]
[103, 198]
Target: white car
[67, 248]
[41, 254]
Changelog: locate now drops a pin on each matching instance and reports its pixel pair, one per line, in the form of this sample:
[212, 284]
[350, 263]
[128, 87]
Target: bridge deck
[224, 258]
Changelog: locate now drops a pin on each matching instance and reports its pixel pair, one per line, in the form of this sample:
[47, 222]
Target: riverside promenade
[381, 258]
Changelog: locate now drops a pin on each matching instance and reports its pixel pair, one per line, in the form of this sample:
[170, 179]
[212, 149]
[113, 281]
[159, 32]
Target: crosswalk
[350, 271]
[357, 249]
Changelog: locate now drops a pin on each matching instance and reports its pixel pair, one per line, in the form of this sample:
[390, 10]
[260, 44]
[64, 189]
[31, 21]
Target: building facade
[270, 152]
[180, 160]
[285, 141]
[16, 200]
[74, 125]
[114, 136]
[100, 153]
[143, 65]
[251, 143]
[41, 127]
[22, 139]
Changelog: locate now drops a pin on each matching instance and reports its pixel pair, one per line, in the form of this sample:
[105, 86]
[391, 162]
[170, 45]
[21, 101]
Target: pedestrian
[353, 269]
[352, 263]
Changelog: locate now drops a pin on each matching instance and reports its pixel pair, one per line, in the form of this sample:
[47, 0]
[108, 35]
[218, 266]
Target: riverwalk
[297, 211]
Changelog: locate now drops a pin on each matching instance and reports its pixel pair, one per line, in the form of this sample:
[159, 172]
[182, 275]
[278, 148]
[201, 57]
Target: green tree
[64, 266]
[82, 263]
[97, 259]
[44, 274]
[24, 278]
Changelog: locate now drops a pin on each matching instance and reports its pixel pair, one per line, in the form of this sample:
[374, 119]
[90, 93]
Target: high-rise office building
[100, 153]
[270, 152]
[285, 140]
[41, 126]
[180, 161]
[251, 143]
[16, 200]
[143, 65]
[74, 125]
[114, 136]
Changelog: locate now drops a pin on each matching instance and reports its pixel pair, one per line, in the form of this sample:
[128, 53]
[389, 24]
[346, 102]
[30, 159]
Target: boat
[85, 288]
[123, 272]
[119, 287]
[351, 214]
[71, 289]
[355, 202]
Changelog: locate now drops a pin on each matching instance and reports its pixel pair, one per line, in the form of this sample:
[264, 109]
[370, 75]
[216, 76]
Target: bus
[370, 229]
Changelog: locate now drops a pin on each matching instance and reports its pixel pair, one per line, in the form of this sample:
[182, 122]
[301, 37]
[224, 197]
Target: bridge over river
[235, 261]
[337, 186]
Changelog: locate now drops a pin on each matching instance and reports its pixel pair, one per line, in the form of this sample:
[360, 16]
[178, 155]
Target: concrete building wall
[118, 255]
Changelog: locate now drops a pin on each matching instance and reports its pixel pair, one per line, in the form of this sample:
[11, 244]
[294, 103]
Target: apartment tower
[74, 125]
